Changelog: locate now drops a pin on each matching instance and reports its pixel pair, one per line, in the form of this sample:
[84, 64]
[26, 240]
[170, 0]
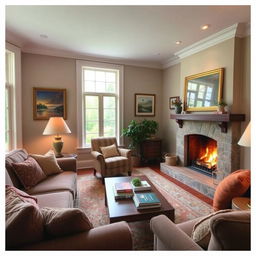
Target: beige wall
[141, 80]
[225, 54]
[49, 72]
[245, 98]
[55, 72]
[171, 88]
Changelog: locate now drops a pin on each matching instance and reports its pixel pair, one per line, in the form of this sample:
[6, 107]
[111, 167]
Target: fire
[209, 158]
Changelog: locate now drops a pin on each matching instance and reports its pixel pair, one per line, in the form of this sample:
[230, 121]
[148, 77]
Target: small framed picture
[48, 102]
[172, 100]
[145, 104]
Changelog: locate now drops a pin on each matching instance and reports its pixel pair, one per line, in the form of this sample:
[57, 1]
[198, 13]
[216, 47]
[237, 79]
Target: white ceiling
[145, 34]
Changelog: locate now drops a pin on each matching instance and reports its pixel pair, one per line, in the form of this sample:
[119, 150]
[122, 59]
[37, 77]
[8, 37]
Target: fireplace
[200, 153]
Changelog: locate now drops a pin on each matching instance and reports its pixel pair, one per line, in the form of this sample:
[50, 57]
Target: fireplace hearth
[201, 153]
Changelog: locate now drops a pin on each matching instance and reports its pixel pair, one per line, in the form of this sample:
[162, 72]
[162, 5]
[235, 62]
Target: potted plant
[138, 132]
[177, 104]
[221, 106]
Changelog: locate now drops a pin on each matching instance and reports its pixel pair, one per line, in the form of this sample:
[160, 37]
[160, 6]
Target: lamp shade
[245, 140]
[56, 125]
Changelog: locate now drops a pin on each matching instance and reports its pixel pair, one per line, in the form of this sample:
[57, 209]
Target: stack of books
[146, 200]
[123, 190]
[143, 187]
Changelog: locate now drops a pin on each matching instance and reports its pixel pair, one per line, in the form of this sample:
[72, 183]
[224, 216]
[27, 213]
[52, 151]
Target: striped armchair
[110, 166]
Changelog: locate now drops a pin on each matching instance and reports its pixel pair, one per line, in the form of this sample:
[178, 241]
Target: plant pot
[135, 161]
[221, 109]
[178, 109]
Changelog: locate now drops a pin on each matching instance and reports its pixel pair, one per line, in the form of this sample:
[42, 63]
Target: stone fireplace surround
[228, 154]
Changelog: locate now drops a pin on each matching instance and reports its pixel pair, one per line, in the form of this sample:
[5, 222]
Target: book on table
[146, 200]
[123, 187]
[143, 187]
[122, 195]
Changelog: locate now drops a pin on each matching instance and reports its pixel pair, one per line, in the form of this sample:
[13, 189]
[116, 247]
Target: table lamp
[245, 141]
[56, 126]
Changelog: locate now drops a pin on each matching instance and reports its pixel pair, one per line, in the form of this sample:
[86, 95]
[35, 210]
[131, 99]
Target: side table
[241, 203]
[151, 150]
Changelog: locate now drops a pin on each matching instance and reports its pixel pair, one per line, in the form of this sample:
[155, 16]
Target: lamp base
[57, 145]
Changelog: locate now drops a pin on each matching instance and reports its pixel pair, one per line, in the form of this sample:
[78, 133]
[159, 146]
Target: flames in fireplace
[201, 153]
[209, 158]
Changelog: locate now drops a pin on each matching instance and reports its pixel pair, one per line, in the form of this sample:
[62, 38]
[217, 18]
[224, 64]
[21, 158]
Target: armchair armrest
[170, 236]
[116, 236]
[125, 152]
[97, 155]
[67, 164]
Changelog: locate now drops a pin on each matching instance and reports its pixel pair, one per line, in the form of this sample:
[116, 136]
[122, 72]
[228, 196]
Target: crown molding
[72, 55]
[236, 30]
[212, 40]
[171, 62]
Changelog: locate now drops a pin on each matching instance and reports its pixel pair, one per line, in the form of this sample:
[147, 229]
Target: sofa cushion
[201, 231]
[48, 163]
[55, 183]
[22, 195]
[109, 151]
[233, 185]
[24, 221]
[29, 172]
[231, 231]
[61, 222]
[116, 161]
[61, 199]
[15, 156]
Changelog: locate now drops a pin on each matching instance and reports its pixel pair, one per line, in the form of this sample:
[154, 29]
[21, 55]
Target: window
[13, 127]
[100, 96]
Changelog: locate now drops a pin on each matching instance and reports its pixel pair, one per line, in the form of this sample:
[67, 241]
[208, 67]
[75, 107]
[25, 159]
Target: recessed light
[178, 42]
[43, 36]
[204, 27]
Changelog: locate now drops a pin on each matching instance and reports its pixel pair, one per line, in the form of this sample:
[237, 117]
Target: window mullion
[101, 116]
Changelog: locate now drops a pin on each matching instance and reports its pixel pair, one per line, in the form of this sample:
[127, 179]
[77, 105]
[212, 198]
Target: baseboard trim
[82, 164]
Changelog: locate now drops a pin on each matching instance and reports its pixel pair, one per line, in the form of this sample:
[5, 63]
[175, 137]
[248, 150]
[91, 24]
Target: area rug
[92, 202]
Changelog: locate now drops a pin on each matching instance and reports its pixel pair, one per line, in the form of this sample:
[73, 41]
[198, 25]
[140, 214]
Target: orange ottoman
[234, 185]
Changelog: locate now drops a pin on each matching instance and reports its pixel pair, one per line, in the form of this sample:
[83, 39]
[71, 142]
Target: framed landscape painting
[145, 104]
[48, 103]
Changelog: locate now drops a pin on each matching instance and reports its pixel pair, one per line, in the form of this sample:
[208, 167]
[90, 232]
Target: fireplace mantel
[222, 119]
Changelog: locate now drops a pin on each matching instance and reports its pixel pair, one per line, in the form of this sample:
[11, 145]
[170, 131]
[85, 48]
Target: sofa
[59, 190]
[55, 195]
[224, 230]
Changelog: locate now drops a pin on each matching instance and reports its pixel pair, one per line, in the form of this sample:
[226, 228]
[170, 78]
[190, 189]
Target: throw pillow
[234, 185]
[48, 163]
[23, 221]
[22, 195]
[64, 221]
[29, 172]
[109, 151]
[201, 231]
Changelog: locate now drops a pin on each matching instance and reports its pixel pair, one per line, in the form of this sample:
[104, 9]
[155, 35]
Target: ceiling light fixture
[204, 27]
[178, 42]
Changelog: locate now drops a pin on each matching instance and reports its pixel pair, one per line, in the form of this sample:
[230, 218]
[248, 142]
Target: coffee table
[125, 210]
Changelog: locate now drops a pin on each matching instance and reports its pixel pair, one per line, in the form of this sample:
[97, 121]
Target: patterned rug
[91, 200]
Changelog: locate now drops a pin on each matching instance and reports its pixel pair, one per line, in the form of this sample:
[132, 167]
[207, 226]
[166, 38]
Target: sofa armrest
[67, 164]
[125, 152]
[116, 236]
[169, 236]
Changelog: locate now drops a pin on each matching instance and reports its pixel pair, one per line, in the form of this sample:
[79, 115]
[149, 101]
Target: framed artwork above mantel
[49, 102]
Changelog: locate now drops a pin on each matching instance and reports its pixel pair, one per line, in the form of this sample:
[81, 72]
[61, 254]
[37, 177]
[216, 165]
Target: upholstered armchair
[109, 159]
[223, 231]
